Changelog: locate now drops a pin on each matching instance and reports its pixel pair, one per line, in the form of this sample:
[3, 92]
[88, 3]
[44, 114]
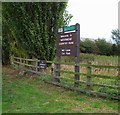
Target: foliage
[0, 23]
[66, 17]
[6, 47]
[99, 47]
[116, 35]
[33, 27]
[116, 38]
[88, 46]
[103, 46]
[114, 49]
[111, 92]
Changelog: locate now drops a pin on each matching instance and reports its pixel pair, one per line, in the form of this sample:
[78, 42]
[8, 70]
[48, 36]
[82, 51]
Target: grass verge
[25, 94]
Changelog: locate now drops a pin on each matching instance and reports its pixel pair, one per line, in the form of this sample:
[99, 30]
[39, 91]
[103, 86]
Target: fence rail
[27, 64]
[68, 63]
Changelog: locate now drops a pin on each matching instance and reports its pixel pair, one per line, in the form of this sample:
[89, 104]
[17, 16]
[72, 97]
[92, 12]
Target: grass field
[27, 94]
[96, 59]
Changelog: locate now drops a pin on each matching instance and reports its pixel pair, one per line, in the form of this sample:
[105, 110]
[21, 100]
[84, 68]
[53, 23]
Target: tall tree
[116, 35]
[33, 26]
[88, 46]
[116, 38]
[103, 46]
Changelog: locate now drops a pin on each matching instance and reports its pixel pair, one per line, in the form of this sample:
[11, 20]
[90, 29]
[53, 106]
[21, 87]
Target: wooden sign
[68, 41]
[71, 51]
[68, 44]
[42, 64]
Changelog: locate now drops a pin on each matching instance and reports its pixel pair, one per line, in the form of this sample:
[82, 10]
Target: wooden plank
[104, 85]
[68, 63]
[76, 69]
[24, 64]
[77, 58]
[93, 93]
[94, 84]
[25, 59]
[57, 66]
[88, 80]
[105, 66]
[93, 75]
[32, 71]
[85, 65]
[104, 76]
[36, 66]
[50, 62]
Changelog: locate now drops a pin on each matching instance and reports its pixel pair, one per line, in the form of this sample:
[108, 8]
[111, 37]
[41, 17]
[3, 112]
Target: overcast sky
[96, 17]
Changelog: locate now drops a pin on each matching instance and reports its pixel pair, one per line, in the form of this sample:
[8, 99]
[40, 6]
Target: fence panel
[88, 83]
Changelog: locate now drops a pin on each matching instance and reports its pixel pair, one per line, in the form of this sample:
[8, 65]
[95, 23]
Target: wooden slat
[104, 76]
[94, 84]
[92, 75]
[68, 63]
[105, 66]
[24, 64]
[84, 91]
[104, 85]
[26, 59]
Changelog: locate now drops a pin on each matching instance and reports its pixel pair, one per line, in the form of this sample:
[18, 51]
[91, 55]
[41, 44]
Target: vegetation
[99, 47]
[116, 35]
[0, 23]
[27, 94]
[29, 29]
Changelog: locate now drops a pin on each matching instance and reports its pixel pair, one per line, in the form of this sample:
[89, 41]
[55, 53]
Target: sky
[97, 18]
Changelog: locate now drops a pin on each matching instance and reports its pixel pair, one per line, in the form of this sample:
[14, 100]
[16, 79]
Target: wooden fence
[89, 86]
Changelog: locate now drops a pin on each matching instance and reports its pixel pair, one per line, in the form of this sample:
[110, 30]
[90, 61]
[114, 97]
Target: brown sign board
[67, 40]
[71, 51]
[68, 44]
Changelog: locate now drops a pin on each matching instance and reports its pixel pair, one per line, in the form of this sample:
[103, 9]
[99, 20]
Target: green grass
[96, 59]
[25, 94]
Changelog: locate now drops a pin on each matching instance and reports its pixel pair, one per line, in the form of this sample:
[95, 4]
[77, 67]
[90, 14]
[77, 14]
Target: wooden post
[20, 66]
[88, 80]
[118, 80]
[36, 69]
[52, 69]
[12, 60]
[57, 67]
[77, 78]
[77, 58]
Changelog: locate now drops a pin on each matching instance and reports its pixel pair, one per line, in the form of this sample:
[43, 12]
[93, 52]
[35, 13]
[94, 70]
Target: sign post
[68, 44]
[77, 58]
